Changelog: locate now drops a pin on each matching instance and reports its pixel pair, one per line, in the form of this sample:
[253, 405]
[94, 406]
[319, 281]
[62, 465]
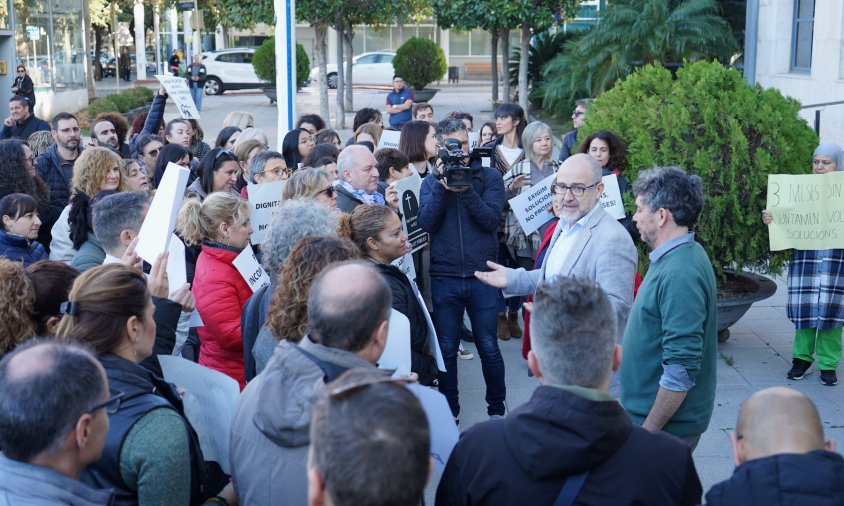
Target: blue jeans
[451, 296]
[196, 93]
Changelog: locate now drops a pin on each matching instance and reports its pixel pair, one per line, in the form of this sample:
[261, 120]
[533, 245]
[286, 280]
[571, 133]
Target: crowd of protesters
[626, 366]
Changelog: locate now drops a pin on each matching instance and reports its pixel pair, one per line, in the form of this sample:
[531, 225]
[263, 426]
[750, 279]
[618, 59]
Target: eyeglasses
[153, 152]
[342, 391]
[576, 190]
[279, 171]
[21, 71]
[111, 405]
[329, 192]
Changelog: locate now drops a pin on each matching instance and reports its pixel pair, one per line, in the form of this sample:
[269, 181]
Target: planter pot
[272, 94]
[424, 95]
[731, 309]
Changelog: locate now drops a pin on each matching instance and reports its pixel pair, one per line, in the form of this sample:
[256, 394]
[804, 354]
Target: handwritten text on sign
[178, 90]
[807, 211]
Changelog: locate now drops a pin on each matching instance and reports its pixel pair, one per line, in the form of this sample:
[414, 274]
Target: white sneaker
[464, 353]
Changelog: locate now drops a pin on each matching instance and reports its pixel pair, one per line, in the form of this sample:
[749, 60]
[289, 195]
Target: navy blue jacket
[20, 249]
[463, 226]
[153, 123]
[815, 478]
[23, 130]
[57, 173]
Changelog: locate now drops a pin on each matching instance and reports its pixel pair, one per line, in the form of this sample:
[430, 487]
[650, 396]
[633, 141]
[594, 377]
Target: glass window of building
[801, 36]
[48, 36]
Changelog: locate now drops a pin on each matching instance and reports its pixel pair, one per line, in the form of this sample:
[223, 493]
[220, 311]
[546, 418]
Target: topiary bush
[264, 63]
[420, 62]
[100, 105]
[303, 66]
[144, 94]
[710, 122]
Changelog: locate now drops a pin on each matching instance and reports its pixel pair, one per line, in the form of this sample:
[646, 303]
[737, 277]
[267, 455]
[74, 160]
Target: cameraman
[463, 223]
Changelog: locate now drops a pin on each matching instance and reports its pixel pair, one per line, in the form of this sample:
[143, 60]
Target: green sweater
[673, 321]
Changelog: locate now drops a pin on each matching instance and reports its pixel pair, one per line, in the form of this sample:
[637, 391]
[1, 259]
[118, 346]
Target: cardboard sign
[611, 197]
[408, 190]
[264, 202]
[474, 139]
[532, 206]
[807, 210]
[433, 342]
[155, 233]
[396, 354]
[248, 267]
[177, 89]
[389, 139]
[210, 399]
[444, 433]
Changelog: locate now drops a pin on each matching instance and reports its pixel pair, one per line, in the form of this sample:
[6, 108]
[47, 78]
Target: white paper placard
[389, 139]
[408, 192]
[177, 89]
[433, 342]
[154, 236]
[210, 399]
[531, 206]
[176, 268]
[444, 433]
[611, 197]
[396, 354]
[406, 266]
[264, 203]
[474, 139]
[248, 267]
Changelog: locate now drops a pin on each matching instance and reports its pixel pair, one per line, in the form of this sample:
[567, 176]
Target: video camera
[456, 169]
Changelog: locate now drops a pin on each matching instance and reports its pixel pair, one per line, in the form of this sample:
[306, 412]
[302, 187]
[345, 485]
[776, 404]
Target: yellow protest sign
[807, 210]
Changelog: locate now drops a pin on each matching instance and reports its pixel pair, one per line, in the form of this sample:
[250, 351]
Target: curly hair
[91, 168]
[618, 150]
[287, 317]
[17, 308]
[14, 173]
[121, 126]
[40, 142]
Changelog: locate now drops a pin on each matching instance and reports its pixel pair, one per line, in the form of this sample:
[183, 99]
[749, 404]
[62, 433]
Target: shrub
[144, 94]
[303, 66]
[101, 105]
[122, 101]
[264, 63]
[420, 62]
[709, 122]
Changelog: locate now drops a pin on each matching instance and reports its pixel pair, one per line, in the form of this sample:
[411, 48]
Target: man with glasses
[569, 146]
[22, 121]
[148, 146]
[54, 407]
[587, 242]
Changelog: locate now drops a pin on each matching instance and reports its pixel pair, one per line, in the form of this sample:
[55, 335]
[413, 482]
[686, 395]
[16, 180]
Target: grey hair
[531, 133]
[346, 158]
[447, 127]
[116, 213]
[296, 219]
[673, 189]
[573, 332]
[584, 102]
[259, 163]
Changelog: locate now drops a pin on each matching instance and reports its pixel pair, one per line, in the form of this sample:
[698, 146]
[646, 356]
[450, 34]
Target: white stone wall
[825, 82]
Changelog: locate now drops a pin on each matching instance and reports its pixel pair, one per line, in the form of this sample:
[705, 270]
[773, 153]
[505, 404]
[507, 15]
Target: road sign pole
[285, 64]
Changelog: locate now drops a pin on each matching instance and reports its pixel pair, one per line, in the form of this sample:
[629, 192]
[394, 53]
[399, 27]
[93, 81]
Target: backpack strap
[570, 489]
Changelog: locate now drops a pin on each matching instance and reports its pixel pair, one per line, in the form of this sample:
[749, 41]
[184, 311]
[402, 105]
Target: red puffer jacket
[220, 293]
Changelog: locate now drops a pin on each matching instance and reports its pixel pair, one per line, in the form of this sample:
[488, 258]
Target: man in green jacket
[668, 374]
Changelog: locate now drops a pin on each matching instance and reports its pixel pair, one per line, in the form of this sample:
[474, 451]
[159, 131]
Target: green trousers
[827, 344]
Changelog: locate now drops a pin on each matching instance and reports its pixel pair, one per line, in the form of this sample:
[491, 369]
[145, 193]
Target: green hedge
[420, 62]
[264, 63]
[101, 105]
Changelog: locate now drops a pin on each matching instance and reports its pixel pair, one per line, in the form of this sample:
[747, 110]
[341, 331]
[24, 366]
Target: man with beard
[104, 134]
[55, 166]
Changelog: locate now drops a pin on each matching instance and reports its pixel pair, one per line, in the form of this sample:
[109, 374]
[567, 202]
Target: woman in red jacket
[220, 224]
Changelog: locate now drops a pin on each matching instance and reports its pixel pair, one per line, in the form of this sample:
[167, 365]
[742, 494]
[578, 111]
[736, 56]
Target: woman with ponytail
[220, 224]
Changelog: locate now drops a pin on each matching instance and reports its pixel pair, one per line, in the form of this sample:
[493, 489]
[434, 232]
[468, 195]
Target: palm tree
[632, 33]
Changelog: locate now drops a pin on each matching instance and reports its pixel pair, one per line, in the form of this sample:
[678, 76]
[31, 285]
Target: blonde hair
[372, 129]
[40, 142]
[91, 168]
[238, 119]
[252, 134]
[198, 221]
[242, 150]
[305, 183]
[18, 305]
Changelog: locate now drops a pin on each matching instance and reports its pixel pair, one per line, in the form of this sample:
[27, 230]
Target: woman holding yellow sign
[816, 293]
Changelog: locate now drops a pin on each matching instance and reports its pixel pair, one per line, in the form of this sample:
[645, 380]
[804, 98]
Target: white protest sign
[158, 225]
[408, 191]
[474, 139]
[531, 207]
[177, 88]
[611, 197]
[396, 354]
[210, 399]
[264, 202]
[433, 342]
[406, 266]
[444, 433]
[176, 267]
[389, 139]
[248, 267]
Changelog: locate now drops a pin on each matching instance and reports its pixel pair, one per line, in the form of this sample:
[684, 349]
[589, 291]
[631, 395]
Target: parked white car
[230, 69]
[367, 68]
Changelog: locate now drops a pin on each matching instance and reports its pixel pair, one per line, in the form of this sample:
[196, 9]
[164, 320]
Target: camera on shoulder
[457, 169]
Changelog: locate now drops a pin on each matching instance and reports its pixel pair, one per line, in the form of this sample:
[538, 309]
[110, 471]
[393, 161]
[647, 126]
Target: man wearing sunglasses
[21, 122]
[577, 118]
[54, 407]
[587, 242]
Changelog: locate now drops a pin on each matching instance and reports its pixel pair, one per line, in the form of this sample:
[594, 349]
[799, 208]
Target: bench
[482, 70]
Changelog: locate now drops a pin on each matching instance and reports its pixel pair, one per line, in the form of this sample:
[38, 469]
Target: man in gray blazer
[587, 243]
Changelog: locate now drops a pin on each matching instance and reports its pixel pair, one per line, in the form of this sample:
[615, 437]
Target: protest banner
[209, 400]
[154, 236]
[248, 267]
[264, 203]
[389, 139]
[177, 89]
[611, 197]
[408, 191]
[532, 206]
[807, 211]
[396, 354]
[444, 433]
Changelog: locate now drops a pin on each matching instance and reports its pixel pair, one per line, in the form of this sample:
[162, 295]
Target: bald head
[777, 420]
[347, 303]
[582, 162]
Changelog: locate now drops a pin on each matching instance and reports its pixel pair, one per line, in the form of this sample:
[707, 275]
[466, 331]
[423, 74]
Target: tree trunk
[98, 48]
[505, 59]
[89, 70]
[400, 24]
[341, 80]
[523, 68]
[495, 34]
[349, 35]
[321, 50]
